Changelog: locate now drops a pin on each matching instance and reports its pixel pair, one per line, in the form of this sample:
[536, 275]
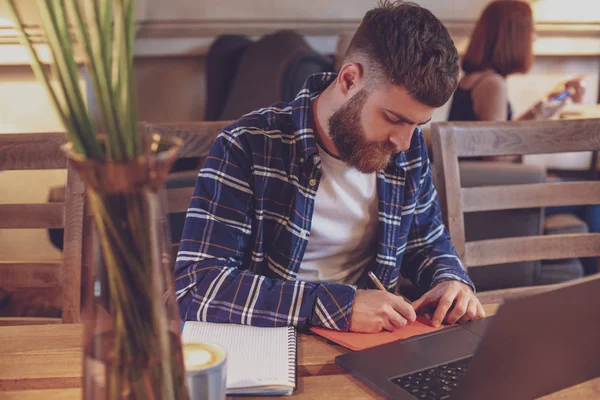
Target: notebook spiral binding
[292, 347]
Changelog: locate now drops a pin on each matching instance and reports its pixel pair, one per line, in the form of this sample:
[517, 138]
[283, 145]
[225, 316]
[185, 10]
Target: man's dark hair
[405, 44]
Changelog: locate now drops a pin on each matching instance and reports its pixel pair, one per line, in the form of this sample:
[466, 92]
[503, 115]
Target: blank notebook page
[256, 357]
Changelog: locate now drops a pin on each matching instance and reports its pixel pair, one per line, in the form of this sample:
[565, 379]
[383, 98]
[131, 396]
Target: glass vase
[132, 341]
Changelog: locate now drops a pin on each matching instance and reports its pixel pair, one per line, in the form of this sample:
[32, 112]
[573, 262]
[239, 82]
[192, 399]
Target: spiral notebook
[260, 361]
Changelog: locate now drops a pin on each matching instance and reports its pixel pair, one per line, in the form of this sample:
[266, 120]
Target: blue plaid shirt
[248, 224]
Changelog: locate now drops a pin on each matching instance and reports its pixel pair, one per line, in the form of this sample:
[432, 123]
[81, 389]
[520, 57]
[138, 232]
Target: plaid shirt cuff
[457, 274]
[333, 306]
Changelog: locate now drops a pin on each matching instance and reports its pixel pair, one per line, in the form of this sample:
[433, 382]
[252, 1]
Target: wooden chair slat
[550, 247]
[174, 250]
[496, 296]
[73, 247]
[507, 197]
[525, 137]
[29, 274]
[14, 321]
[32, 151]
[447, 177]
[42, 302]
[32, 216]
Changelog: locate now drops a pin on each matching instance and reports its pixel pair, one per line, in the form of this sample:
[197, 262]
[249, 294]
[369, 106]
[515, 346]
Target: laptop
[533, 346]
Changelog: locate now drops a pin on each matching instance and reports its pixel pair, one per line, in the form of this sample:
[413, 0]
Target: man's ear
[350, 78]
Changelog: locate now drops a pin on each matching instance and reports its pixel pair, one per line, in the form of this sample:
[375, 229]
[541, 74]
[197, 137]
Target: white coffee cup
[206, 370]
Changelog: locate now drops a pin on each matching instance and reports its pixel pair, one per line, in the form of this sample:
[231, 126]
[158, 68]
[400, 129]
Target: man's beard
[349, 138]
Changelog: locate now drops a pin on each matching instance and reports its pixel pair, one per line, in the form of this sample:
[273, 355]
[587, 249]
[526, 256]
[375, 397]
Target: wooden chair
[198, 138]
[48, 285]
[477, 139]
[54, 288]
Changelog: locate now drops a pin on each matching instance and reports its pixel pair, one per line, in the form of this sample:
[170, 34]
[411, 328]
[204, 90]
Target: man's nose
[401, 137]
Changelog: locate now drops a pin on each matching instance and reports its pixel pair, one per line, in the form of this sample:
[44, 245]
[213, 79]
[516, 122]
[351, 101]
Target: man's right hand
[375, 310]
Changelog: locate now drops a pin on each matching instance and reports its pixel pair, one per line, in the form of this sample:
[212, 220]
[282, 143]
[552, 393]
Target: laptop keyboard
[434, 383]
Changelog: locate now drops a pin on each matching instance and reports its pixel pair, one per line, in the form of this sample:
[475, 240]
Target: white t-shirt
[343, 233]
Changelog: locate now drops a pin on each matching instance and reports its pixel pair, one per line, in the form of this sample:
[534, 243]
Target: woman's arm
[490, 103]
[547, 108]
[490, 99]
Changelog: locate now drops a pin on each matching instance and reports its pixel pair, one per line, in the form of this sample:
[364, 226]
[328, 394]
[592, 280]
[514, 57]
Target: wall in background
[568, 34]
[179, 27]
[170, 88]
[193, 24]
[173, 37]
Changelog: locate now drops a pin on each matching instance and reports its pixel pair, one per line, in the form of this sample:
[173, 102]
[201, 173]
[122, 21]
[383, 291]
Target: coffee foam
[200, 355]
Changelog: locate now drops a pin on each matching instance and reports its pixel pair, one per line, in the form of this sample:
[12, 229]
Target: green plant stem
[38, 70]
[130, 36]
[106, 18]
[119, 76]
[89, 36]
[102, 56]
[66, 40]
[60, 45]
[105, 30]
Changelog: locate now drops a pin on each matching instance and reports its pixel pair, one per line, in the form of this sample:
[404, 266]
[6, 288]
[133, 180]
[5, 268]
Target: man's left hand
[447, 294]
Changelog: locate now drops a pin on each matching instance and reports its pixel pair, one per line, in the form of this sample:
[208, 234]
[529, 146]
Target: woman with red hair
[501, 45]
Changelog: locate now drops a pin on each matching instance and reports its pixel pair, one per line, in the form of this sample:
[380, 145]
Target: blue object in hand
[561, 96]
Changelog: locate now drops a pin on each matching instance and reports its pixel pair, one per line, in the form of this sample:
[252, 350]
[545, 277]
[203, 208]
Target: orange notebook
[361, 341]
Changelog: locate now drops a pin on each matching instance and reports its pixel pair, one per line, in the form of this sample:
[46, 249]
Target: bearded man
[297, 202]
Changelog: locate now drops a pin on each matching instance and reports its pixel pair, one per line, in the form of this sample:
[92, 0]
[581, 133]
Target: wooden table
[44, 362]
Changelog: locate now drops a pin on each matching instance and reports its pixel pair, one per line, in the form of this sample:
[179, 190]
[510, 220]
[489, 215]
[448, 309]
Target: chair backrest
[271, 70]
[477, 139]
[221, 64]
[59, 283]
[198, 138]
[502, 223]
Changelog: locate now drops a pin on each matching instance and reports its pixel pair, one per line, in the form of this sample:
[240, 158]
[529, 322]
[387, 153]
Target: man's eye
[392, 120]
